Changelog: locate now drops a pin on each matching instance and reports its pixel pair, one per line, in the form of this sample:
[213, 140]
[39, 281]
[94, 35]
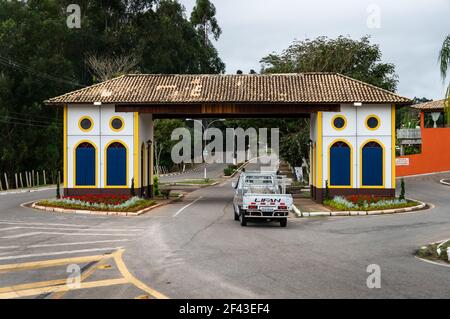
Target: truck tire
[243, 219]
[283, 222]
[236, 215]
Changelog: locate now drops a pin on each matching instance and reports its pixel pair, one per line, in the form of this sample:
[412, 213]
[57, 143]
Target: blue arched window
[116, 165]
[85, 165]
[340, 164]
[372, 164]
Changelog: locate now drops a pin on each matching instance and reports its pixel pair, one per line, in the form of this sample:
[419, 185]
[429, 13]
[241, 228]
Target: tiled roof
[433, 105]
[210, 88]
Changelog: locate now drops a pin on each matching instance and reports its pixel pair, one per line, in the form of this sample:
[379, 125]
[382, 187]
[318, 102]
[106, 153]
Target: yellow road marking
[59, 287]
[86, 274]
[55, 282]
[126, 273]
[51, 289]
[51, 263]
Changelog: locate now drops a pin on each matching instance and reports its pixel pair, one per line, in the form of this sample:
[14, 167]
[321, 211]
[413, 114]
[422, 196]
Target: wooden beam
[228, 109]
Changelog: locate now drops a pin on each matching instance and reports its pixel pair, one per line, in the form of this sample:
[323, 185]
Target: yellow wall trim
[319, 150]
[75, 165]
[393, 173]
[351, 164]
[105, 166]
[65, 166]
[382, 169]
[137, 182]
[368, 117]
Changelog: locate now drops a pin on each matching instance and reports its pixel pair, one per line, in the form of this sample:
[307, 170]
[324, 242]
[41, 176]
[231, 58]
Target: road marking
[184, 207]
[58, 253]
[66, 244]
[58, 233]
[57, 224]
[51, 289]
[52, 262]
[82, 229]
[126, 273]
[58, 287]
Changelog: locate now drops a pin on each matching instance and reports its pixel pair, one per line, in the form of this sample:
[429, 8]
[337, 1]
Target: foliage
[229, 170]
[58, 186]
[444, 61]
[366, 203]
[435, 251]
[163, 142]
[132, 190]
[358, 59]
[40, 57]
[402, 189]
[101, 199]
[165, 192]
[203, 17]
[156, 191]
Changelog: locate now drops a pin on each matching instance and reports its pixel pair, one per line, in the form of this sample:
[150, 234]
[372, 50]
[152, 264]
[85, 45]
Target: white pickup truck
[261, 195]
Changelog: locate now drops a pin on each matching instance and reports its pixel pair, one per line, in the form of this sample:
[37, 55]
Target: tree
[105, 68]
[203, 17]
[444, 60]
[358, 59]
[40, 57]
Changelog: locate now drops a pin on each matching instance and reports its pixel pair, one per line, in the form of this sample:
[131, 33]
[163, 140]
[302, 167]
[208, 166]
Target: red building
[435, 136]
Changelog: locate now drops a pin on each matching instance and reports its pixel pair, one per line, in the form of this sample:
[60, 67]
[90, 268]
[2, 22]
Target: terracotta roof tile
[432, 105]
[267, 88]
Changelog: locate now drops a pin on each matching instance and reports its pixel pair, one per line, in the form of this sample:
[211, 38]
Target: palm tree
[444, 60]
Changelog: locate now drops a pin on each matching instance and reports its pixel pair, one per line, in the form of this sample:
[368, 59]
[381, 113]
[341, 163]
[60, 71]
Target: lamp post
[150, 169]
[204, 130]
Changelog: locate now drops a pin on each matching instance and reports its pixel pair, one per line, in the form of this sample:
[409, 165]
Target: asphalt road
[194, 249]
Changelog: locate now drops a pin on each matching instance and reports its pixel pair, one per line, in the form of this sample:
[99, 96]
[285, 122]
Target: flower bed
[367, 203]
[100, 203]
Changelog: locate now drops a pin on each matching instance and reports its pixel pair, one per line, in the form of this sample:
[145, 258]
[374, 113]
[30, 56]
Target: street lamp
[149, 169]
[204, 130]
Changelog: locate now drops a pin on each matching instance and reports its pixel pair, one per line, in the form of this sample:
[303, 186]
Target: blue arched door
[340, 164]
[372, 164]
[85, 165]
[116, 165]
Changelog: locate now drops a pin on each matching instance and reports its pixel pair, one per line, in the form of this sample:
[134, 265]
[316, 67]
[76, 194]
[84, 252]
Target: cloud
[410, 34]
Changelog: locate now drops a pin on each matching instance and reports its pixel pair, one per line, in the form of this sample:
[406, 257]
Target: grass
[430, 252]
[137, 206]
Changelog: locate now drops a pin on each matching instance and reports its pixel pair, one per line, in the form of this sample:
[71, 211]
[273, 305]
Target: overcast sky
[410, 33]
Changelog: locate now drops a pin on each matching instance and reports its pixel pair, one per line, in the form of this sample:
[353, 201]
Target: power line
[35, 116]
[26, 120]
[10, 63]
[28, 124]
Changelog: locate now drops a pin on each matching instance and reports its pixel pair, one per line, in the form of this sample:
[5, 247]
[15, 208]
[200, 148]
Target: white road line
[58, 233]
[60, 253]
[6, 222]
[66, 244]
[58, 228]
[184, 207]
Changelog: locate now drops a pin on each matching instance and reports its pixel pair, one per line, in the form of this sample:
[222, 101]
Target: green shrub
[156, 191]
[402, 190]
[228, 171]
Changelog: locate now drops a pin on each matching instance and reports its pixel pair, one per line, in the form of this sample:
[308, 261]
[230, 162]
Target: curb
[444, 181]
[28, 190]
[102, 213]
[421, 206]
